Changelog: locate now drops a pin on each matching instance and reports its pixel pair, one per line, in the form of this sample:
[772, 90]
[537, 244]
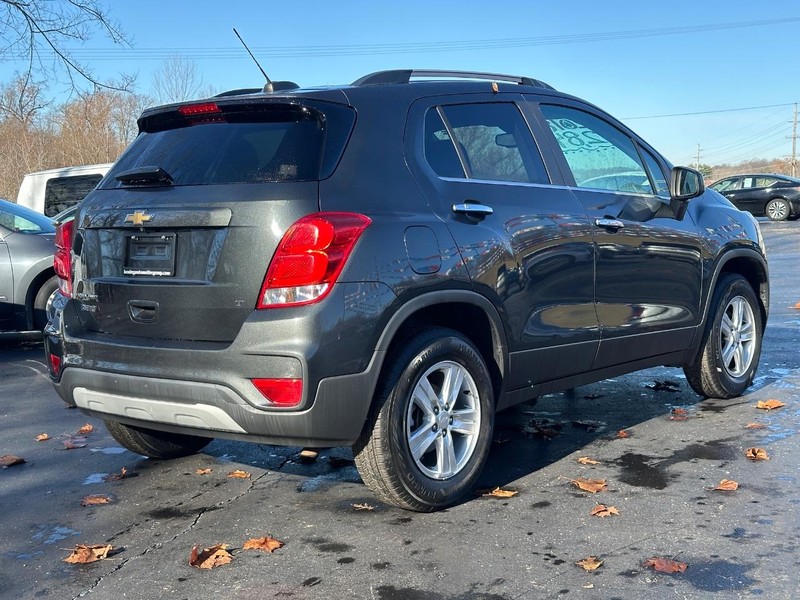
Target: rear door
[649, 270]
[526, 243]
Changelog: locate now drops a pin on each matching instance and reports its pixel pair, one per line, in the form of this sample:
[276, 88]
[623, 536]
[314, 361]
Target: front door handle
[609, 223]
[473, 209]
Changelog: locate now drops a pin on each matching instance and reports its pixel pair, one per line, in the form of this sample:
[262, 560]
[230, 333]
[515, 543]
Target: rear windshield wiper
[148, 175]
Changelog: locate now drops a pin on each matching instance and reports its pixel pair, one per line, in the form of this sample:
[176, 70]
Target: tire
[777, 209]
[42, 301]
[413, 408]
[156, 444]
[731, 344]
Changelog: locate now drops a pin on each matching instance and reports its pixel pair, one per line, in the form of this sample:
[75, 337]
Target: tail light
[280, 392]
[309, 258]
[62, 259]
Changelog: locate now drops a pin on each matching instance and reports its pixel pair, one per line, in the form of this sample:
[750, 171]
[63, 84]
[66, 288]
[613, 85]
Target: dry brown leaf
[83, 554]
[678, 414]
[208, 558]
[203, 471]
[727, 485]
[590, 485]
[9, 460]
[95, 499]
[755, 426]
[42, 437]
[88, 428]
[266, 543]
[585, 460]
[602, 511]
[665, 565]
[74, 443]
[123, 472]
[590, 563]
[239, 474]
[363, 506]
[623, 434]
[499, 493]
[756, 454]
[797, 306]
[769, 404]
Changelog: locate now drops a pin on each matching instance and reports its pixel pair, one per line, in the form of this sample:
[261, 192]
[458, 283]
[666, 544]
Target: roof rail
[405, 75]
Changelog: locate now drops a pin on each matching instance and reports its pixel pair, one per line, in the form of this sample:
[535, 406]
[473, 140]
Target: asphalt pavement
[338, 542]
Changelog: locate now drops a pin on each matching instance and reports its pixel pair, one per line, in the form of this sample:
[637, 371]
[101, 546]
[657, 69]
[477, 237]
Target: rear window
[63, 192]
[240, 144]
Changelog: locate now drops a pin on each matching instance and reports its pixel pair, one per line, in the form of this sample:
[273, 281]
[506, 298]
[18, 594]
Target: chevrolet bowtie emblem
[138, 218]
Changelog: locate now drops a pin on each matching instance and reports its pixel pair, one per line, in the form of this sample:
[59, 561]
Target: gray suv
[385, 265]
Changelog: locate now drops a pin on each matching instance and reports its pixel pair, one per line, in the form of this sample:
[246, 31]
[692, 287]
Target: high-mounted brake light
[62, 258]
[191, 110]
[310, 257]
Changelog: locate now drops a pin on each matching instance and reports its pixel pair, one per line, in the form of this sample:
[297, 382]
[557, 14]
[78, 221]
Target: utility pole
[794, 142]
[697, 161]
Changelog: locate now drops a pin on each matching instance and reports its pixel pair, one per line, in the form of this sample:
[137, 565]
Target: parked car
[27, 278]
[763, 194]
[54, 190]
[385, 265]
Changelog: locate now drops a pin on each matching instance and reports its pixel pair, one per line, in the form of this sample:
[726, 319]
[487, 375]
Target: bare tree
[39, 32]
[177, 80]
[22, 100]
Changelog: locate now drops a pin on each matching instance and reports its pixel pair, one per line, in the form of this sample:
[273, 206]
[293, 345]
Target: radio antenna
[268, 86]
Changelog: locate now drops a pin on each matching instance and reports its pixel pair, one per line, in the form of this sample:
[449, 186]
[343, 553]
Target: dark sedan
[763, 194]
[27, 279]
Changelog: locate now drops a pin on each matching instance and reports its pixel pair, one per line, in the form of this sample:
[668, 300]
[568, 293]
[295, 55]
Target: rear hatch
[175, 242]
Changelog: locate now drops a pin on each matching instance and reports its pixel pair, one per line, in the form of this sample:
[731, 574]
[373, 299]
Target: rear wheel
[777, 209]
[430, 429]
[156, 444]
[732, 342]
[42, 301]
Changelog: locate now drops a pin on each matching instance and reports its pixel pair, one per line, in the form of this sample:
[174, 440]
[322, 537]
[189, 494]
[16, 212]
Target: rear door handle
[609, 223]
[473, 209]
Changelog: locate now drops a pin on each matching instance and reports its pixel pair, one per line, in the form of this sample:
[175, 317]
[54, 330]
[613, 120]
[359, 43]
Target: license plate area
[150, 255]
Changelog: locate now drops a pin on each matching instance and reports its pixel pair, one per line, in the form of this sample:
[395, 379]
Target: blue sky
[634, 59]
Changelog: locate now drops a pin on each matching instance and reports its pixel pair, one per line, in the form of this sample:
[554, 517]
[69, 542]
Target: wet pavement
[341, 543]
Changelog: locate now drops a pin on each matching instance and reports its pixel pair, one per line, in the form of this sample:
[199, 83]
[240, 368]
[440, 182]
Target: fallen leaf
[266, 543]
[117, 476]
[665, 565]
[756, 454]
[593, 396]
[797, 306]
[239, 474]
[83, 554]
[203, 471]
[623, 434]
[678, 414]
[9, 460]
[42, 437]
[588, 425]
[755, 426]
[590, 485]
[74, 443]
[602, 511]
[585, 460]
[95, 499]
[208, 558]
[727, 485]
[546, 428]
[88, 428]
[499, 493]
[363, 506]
[590, 563]
[664, 386]
[769, 404]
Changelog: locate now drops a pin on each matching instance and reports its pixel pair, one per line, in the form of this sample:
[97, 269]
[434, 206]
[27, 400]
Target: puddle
[56, 534]
[95, 478]
[111, 450]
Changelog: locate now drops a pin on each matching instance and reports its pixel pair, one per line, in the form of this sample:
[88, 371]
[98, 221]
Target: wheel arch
[32, 290]
[464, 311]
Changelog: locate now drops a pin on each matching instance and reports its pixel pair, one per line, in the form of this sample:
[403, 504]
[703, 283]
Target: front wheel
[732, 342]
[430, 429]
[156, 444]
[777, 209]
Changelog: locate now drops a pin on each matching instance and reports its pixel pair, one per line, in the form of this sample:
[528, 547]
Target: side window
[727, 184]
[765, 181]
[492, 142]
[62, 192]
[656, 174]
[439, 149]
[599, 155]
[748, 182]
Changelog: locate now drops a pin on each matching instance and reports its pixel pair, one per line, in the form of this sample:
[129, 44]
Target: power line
[710, 112]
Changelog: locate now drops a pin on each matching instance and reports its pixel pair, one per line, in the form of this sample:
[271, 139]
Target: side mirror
[685, 183]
